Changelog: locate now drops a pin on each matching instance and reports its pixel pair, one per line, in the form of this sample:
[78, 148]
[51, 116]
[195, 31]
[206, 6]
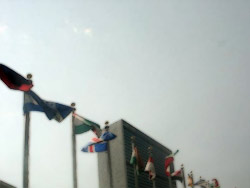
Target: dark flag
[14, 80]
[33, 102]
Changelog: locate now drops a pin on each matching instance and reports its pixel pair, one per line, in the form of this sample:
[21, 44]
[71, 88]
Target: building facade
[115, 170]
[5, 185]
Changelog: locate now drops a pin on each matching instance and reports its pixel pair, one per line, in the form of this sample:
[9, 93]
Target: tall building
[5, 185]
[115, 170]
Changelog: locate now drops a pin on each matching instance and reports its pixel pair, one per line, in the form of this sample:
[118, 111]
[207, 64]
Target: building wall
[5, 185]
[122, 173]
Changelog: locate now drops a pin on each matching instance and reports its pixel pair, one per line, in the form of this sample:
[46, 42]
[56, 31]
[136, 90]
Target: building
[114, 168]
[5, 185]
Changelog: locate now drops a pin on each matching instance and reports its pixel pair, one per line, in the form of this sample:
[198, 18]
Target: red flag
[14, 80]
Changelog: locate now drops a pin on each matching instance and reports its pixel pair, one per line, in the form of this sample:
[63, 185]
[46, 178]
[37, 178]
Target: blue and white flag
[32, 102]
[95, 147]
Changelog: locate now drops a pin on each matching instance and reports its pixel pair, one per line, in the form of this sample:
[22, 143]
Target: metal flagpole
[109, 159]
[192, 176]
[74, 149]
[26, 147]
[183, 176]
[150, 148]
[134, 165]
[170, 182]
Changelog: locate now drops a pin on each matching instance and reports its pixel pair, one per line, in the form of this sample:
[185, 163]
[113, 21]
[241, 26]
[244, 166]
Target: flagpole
[150, 148]
[109, 159]
[183, 176]
[134, 165]
[192, 176]
[74, 149]
[26, 147]
[170, 182]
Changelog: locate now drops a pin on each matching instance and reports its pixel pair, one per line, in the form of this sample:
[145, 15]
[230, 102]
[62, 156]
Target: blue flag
[95, 147]
[32, 102]
[107, 136]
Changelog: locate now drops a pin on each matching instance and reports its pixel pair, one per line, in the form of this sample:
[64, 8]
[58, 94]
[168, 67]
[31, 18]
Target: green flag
[83, 125]
[136, 160]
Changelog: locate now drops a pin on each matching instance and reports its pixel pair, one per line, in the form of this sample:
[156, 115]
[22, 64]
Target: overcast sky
[177, 70]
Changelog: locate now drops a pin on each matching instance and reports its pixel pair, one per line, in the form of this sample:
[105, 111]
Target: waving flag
[14, 80]
[95, 147]
[168, 160]
[33, 102]
[202, 183]
[190, 181]
[107, 136]
[150, 168]
[137, 161]
[83, 125]
[216, 183]
[177, 175]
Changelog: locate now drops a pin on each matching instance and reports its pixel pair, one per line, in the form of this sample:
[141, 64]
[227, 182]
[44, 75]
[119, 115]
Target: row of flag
[203, 183]
[179, 175]
[58, 112]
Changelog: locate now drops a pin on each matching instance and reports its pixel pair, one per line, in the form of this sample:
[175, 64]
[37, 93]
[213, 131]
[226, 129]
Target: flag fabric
[95, 147]
[13, 80]
[137, 161]
[168, 160]
[107, 136]
[202, 183]
[33, 102]
[150, 168]
[216, 183]
[190, 181]
[177, 175]
[83, 125]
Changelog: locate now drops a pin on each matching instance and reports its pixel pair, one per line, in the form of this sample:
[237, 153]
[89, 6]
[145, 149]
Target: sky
[177, 70]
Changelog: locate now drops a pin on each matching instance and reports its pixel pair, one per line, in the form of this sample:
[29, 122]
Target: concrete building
[5, 185]
[115, 171]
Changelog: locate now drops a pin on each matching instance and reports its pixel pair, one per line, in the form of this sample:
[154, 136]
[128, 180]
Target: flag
[137, 161]
[216, 183]
[33, 102]
[107, 136]
[177, 175]
[202, 183]
[190, 181]
[14, 80]
[95, 147]
[150, 168]
[168, 160]
[83, 125]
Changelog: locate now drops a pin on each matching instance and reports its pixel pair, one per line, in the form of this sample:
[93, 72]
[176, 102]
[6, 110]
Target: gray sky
[177, 70]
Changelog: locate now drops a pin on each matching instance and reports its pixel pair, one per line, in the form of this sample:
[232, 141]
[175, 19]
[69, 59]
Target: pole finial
[106, 125]
[73, 104]
[29, 76]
